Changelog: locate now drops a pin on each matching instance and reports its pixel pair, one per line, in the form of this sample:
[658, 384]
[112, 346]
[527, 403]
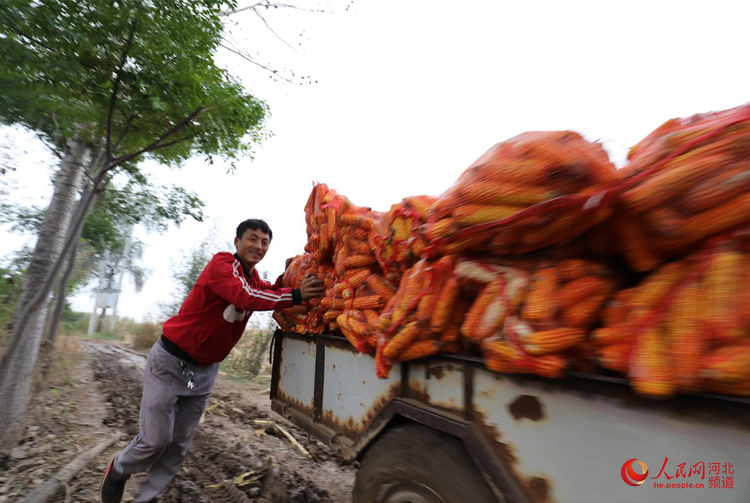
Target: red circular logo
[630, 477]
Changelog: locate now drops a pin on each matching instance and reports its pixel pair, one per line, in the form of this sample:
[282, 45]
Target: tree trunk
[19, 359]
[62, 291]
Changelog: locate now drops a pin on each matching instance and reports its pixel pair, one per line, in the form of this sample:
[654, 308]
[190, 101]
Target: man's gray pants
[169, 416]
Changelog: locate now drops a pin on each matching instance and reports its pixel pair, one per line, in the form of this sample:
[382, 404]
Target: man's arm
[226, 280]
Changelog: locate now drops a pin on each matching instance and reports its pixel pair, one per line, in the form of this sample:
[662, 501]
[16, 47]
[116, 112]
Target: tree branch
[124, 133]
[173, 142]
[248, 58]
[32, 39]
[116, 162]
[116, 86]
[271, 30]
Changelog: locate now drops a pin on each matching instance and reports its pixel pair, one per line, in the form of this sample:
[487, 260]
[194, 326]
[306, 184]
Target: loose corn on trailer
[446, 430]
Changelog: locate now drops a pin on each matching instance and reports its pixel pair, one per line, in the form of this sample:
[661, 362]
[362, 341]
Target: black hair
[255, 224]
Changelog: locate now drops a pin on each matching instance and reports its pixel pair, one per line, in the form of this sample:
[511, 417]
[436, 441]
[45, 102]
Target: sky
[409, 94]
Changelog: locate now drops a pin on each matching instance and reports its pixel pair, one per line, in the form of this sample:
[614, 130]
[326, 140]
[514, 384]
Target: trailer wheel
[416, 464]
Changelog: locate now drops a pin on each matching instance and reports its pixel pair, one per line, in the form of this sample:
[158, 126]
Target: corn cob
[420, 205]
[576, 291]
[551, 341]
[651, 368]
[419, 349]
[441, 229]
[585, 313]
[504, 193]
[729, 363]
[418, 246]
[729, 215]
[667, 184]
[353, 322]
[443, 306]
[685, 336]
[401, 229]
[382, 366]
[381, 286]
[634, 243]
[499, 350]
[331, 315]
[355, 220]
[352, 280]
[539, 303]
[471, 243]
[723, 286]
[366, 302]
[360, 345]
[472, 214]
[300, 328]
[549, 366]
[408, 291]
[606, 336]
[713, 192]
[371, 315]
[357, 261]
[401, 340]
[656, 286]
[615, 356]
[488, 312]
[359, 247]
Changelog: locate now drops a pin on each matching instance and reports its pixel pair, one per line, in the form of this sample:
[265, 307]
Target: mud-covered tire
[415, 464]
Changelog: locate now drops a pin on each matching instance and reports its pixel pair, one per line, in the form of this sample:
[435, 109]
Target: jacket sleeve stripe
[257, 293]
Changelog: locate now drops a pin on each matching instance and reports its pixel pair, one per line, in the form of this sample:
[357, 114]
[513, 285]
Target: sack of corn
[685, 182]
[396, 237]
[532, 191]
[685, 327]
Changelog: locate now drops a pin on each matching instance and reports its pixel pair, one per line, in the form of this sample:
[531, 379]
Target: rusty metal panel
[437, 382]
[352, 394]
[297, 372]
[570, 447]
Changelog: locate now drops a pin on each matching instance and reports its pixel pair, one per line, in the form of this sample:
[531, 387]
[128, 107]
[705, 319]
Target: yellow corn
[472, 214]
[410, 287]
[615, 356]
[367, 302]
[444, 304]
[539, 303]
[401, 229]
[352, 280]
[551, 341]
[331, 315]
[549, 366]
[372, 315]
[722, 286]
[606, 336]
[651, 369]
[419, 349]
[685, 336]
[355, 220]
[418, 246]
[300, 328]
[572, 269]
[585, 313]
[420, 205]
[657, 285]
[488, 312]
[577, 291]
[505, 193]
[441, 229]
[381, 286]
[401, 340]
[729, 215]
[634, 243]
[356, 261]
[716, 190]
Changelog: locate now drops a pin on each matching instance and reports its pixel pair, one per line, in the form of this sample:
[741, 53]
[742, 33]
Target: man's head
[252, 241]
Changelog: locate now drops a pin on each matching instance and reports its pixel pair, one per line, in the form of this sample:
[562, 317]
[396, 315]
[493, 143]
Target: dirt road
[238, 455]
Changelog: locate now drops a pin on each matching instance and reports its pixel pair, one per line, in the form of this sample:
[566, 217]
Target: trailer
[446, 430]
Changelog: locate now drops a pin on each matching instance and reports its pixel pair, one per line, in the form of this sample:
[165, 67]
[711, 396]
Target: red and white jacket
[216, 311]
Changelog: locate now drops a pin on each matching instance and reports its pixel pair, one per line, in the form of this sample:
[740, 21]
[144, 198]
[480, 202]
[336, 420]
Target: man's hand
[311, 287]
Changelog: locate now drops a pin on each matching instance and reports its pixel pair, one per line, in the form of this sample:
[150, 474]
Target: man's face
[252, 247]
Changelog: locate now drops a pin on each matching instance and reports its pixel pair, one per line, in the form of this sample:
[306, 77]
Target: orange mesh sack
[686, 327]
[685, 182]
[396, 237]
[532, 191]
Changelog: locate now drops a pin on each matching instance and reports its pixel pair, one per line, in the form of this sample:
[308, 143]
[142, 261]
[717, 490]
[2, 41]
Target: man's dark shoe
[113, 485]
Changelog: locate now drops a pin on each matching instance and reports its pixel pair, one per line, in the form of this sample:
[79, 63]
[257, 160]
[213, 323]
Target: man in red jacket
[181, 367]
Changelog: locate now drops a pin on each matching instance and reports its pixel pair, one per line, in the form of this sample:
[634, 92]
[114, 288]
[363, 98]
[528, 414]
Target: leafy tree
[105, 83]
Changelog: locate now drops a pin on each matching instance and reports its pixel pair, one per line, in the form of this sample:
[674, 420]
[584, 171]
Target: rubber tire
[419, 454]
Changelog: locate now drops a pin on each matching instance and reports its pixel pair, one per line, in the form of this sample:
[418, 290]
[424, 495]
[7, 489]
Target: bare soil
[84, 400]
